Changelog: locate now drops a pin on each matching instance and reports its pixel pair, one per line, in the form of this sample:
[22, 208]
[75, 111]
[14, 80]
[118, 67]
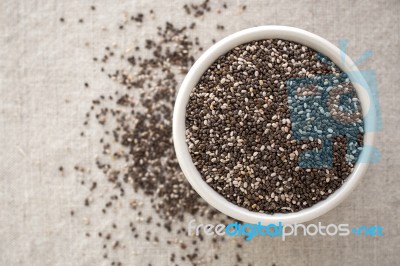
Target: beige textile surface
[43, 65]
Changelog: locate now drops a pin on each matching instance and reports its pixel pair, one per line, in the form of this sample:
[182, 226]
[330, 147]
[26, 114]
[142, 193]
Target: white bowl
[268, 32]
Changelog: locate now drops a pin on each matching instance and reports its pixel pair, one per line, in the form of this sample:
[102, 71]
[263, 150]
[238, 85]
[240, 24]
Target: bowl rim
[300, 36]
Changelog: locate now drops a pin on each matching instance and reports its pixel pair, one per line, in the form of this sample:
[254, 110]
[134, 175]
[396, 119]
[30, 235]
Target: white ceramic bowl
[267, 32]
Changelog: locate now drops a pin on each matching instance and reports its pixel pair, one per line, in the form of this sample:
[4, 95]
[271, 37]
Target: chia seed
[133, 128]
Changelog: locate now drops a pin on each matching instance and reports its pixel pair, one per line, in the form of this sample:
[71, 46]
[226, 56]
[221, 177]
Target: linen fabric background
[43, 66]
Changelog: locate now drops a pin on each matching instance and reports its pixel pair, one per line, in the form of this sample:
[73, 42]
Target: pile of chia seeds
[274, 126]
[140, 172]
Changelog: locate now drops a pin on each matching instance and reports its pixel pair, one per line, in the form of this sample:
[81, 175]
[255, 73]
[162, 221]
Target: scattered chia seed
[243, 139]
[137, 156]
